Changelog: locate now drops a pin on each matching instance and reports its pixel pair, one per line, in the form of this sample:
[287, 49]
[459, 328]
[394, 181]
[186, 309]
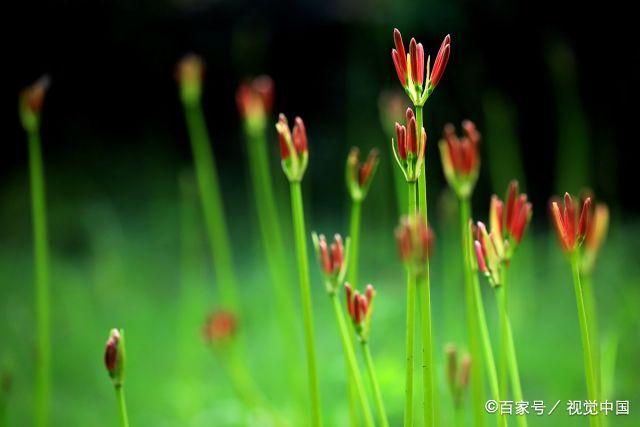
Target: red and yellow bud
[408, 151]
[410, 67]
[31, 102]
[293, 148]
[360, 308]
[489, 255]
[332, 258]
[255, 101]
[461, 157]
[457, 377]
[359, 176]
[189, 75]
[114, 356]
[571, 226]
[596, 233]
[219, 327]
[415, 242]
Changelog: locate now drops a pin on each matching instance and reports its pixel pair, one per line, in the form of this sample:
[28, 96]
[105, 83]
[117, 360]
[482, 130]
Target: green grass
[120, 264]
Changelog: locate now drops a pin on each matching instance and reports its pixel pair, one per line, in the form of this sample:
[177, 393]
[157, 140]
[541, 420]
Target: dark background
[113, 105]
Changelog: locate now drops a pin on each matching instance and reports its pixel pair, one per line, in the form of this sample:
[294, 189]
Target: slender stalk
[122, 406]
[477, 384]
[584, 332]
[425, 298]
[504, 363]
[270, 229]
[486, 346]
[410, 329]
[212, 205]
[354, 234]
[510, 348]
[352, 367]
[39, 214]
[305, 291]
[382, 414]
[592, 316]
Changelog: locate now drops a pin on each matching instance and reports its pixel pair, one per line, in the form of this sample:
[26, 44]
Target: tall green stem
[509, 346]
[584, 332]
[122, 406]
[410, 329]
[425, 298]
[354, 234]
[352, 367]
[212, 205]
[382, 414]
[297, 210]
[477, 384]
[41, 261]
[592, 317]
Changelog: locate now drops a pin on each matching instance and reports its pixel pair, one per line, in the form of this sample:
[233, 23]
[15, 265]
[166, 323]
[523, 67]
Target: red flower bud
[111, 352]
[415, 241]
[570, 227]
[283, 134]
[220, 326]
[399, 57]
[255, 98]
[441, 61]
[299, 136]
[482, 264]
[401, 133]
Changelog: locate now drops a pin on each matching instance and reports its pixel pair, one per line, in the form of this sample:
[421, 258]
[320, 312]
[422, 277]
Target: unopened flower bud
[461, 158]
[189, 75]
[114, 356]
[359, 308]
[415, 242]
[571, 227]
[359, 176]
[332, 259]
[255, 100]
[31, 102]
[293, 148]
[220, 326]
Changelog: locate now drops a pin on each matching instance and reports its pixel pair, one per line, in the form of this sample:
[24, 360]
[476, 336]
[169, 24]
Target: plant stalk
[354, 234]
[212, 205]
[122, 406]
[477, 383]
[584, 332]
[382, 414]
[509, 347]
[352, 364]
[305, 292]
[42, 298]
[425, 298]
[410, 326]
[592, 316]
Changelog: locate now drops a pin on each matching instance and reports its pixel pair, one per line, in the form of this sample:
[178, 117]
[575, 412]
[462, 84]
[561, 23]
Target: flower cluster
[360, 308]
[495, 249]
[293, 148]
[189, 74]
[457, 374]
[31, 102]
[461, 157]
[410, 67]
[219, 327]
[333, 260]
[255, 101]
[114, 357]
[571, 225]
[408, 151]
[415, 242]
[359, 175]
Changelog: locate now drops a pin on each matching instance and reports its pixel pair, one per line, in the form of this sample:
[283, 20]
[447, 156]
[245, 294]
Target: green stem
[504, 363]
[122, 406]
[305, 291]
[382, 414]
[584, 332]
[592, 316]
[410, 330]
[39, 213]
[269, 220]
[509, 346]
[212, 205]
[352, 364]
[425, 298]
[354, 234]
[477, 384]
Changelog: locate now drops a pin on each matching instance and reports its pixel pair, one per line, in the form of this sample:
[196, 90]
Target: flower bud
[332, 259]
[408, 151]
[359, 308]
[571, 227]
[255, 100]
[114, 356]
[220, 327]
[415, 242]
[189, 75]
[31, 102]
[293, 148]
[359, 176]
[461, 158]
